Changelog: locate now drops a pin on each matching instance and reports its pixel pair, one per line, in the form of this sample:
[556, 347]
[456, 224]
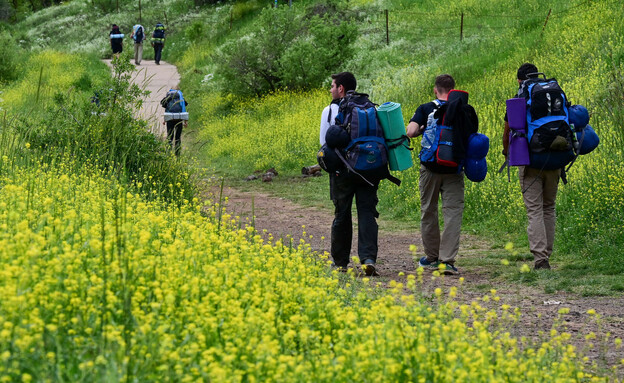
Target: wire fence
[424, 25]
[463, 24]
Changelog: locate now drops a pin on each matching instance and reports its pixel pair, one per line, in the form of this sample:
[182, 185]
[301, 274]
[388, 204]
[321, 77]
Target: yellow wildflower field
[99, 285]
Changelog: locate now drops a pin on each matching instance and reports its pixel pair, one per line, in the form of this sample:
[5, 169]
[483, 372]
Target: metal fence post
[387, 30]
[461, 28]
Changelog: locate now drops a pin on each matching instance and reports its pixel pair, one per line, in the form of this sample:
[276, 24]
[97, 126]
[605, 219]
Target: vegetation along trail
[157, 79]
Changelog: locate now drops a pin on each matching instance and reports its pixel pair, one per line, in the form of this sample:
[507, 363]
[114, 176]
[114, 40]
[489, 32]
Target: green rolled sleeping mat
[399, 151]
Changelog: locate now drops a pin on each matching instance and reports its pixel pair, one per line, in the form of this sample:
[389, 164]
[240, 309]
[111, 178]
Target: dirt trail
[157, 79]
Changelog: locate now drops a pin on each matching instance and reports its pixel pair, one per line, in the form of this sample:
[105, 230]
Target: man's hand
[414, 130]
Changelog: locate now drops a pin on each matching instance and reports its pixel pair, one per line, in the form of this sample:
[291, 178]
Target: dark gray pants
[174, 134]
[343, 189]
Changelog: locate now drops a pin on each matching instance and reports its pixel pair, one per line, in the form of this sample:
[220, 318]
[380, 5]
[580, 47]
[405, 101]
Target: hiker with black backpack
[445, 123]
[138, 35]
[545, 108]
[158, 41]
[337, 129]
[116, 40]
[175, 117]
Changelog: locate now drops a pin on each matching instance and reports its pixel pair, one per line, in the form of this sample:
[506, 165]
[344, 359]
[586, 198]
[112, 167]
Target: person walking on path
[138, 35]
[158, 41]
[539, 192]
[440, 181]
[116, 40]
[176, 117]
[343, 187]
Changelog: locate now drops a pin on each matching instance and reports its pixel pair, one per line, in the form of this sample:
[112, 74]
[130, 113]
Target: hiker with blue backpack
[175, 117]
[351, 136]
[543, 134]
[138, 36]
[446, 124]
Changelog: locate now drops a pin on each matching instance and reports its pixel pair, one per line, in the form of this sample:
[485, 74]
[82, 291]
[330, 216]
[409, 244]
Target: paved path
[157, 79]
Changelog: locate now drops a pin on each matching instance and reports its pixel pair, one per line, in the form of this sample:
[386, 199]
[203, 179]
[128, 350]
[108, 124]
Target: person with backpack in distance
[138, 35]
[158, 41]
[546, 119]
[344, 186]
[116, 40]
[445, 124]
[176, 117]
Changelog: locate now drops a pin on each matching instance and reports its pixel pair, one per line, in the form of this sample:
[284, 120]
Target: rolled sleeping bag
[587, 138]
[176, 116]
[475, 165]
[391, 120]
[478, 146]
[475, 170]
[518, 150]
[328, 159]
[117, 36]
[578, 115]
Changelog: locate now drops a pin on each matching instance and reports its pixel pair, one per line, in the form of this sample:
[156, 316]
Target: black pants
[343, 189]
[174, 134]
[158, 47]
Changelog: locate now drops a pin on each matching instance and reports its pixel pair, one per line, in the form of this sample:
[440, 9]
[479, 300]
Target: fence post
[461, 28]
[139, 11]
[166, 21]
[387, 31]
[546, 22]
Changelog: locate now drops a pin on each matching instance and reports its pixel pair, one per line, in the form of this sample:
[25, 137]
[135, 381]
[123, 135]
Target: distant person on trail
[116, 40]
[158, 41]
[539, 191]
[176, 117]
[437, 180]
[343, 186]
[138, 35]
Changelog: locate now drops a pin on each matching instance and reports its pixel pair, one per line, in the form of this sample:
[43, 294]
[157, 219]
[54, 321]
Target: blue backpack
[437, 141]
[366, 154]
[435, 137]
[552, 142]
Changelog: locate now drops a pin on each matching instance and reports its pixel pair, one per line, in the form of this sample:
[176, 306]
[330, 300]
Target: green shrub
[285, 49]
[9, 58]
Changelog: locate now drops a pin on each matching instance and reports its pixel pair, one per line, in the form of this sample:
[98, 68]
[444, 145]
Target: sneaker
[369, 268]
[427, 264]
[542, 264]
[449, 269]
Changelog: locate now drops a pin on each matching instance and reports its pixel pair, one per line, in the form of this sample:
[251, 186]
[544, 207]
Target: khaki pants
[539, 193]
[451, 187]
[138, 53]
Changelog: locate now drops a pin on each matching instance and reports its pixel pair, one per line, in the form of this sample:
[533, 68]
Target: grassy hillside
[571, 41]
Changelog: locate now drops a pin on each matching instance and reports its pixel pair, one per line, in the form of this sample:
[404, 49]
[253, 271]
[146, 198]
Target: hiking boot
[542, 264]
[449, 269]
[369, 268]
[340, 269]
[427, 264]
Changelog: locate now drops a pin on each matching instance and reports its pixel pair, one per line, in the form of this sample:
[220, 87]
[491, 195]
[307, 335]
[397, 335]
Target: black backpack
[138, 36]
[159, 32]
